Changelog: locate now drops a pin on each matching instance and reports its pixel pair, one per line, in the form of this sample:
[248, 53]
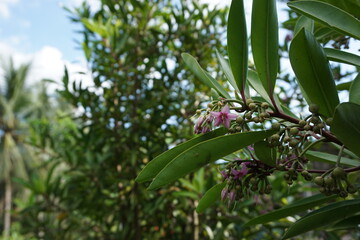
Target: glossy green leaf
[204, 76]
[346, 126]
[256, 84]
[330, 158]
[292, 209]
[328, 15]
[304, 22]
[227, 70]
[323, 216]
[265, 153]
[313, 73]
[344, 86]
[204, 153]
[264, 42]
[348, 223]
[210, 197]
[238, 43]
[158, 163]
[354, 92]
[342, 57]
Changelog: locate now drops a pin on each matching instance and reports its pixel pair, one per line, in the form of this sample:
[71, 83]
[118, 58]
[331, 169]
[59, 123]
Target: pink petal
[225, 109]
[226, 123]
[216, 114]
[232, 116]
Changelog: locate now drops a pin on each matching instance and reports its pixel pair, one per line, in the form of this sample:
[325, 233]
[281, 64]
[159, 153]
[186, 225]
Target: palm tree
[14, 105]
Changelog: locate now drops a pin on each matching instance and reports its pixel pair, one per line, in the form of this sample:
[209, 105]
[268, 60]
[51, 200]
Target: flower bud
[313, 108]
[307, 127]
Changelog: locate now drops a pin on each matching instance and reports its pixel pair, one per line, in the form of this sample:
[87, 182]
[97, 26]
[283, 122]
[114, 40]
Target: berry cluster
[291, 140]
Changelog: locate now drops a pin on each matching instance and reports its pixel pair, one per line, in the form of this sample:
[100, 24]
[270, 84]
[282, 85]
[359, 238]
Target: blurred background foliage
[68, 162]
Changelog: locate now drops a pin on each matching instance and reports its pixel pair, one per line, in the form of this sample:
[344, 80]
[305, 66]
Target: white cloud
[94, 4]
[4, 7]
[48, 63]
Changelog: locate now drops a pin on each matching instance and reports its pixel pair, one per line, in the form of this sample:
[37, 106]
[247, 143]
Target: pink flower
[224, 193]
[224, 174]
[198, 125]
[203, 124]
[237, 174]
[224, 116]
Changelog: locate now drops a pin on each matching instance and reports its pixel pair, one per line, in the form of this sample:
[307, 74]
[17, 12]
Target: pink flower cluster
[204, 123]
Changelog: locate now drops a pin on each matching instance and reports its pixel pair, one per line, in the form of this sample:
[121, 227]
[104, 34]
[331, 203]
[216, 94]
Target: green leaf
[313, 72]
[227, 70]
[328, 15]
[346, 125]
[330, 158]
[354, 92]
[324, 216]
[342, 57]
[238, 43]
[95, 27]
[349, 223]
[292, 209]
[204, 153]
[204, 76]
[264, 42]
[210, 197]
[304, 22]
[256, 84]
[344, 86]
[158, 163]
[265, 153]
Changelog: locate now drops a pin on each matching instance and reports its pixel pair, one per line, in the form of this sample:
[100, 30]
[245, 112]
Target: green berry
[313, 108]
[329, 121]
[294, 131]
[302, 123]
[239, 120]
[248, 115]
[264, 105]
[304, 173]
[315, 119]
[329, 182]
[252, 106]
[307, 127]
[293, 143]
[319, 181]
[248, 101]
[256, 119]
[351, 189]
[316, 129]
[275, 126]
[343, 194]
[338, 172]
[275, 137]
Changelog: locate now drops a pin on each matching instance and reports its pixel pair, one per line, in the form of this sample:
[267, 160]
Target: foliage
[128, 115]
[265, 139]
